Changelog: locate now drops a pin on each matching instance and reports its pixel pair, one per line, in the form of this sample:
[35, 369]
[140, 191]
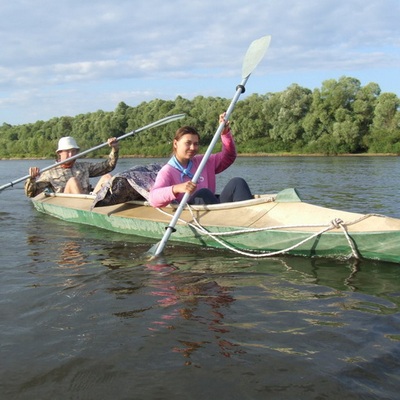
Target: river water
[85, 316]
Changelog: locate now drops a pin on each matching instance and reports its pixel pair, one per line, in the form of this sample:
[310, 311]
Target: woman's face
[186, 147]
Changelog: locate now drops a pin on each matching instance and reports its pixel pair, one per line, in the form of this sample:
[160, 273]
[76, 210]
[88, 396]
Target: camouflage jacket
[56, 178]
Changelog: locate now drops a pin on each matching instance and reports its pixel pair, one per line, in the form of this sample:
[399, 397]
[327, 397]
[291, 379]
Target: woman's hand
[227, 127]
[184, 187]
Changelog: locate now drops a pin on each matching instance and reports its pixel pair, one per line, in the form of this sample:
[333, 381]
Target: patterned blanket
[132, 184]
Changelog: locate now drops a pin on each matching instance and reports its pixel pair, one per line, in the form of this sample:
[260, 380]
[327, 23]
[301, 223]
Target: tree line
[341, 117]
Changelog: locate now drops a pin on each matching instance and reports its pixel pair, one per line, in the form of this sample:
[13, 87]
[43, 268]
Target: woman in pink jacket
[174, 178]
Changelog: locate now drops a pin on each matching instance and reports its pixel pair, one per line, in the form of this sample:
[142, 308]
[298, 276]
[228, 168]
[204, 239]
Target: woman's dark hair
[185, 130]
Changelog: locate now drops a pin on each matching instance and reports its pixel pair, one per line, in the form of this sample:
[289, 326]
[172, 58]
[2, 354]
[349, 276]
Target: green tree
[340, 117]
[331, 115]
[292, 105]
[385, 130]
[248, 119]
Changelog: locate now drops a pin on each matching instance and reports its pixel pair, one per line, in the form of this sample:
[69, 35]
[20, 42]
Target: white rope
[334, 224]
[349, 240]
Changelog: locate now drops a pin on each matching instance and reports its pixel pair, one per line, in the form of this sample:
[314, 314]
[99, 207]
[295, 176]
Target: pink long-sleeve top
[161, 193]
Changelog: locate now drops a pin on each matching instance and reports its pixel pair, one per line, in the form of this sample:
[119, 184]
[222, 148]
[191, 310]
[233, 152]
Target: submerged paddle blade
[255, 54]
[152, 253]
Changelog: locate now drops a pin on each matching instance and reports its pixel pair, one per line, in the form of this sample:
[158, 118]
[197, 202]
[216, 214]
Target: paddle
[160, 122]
[254, 55]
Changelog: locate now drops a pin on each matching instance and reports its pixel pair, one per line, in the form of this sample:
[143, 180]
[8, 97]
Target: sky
[70, 57]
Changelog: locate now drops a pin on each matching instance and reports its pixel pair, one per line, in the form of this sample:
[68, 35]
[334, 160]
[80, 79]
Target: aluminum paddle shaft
[254, 55]
[160, 122]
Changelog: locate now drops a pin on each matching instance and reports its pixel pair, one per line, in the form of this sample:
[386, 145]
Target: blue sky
[69, 57]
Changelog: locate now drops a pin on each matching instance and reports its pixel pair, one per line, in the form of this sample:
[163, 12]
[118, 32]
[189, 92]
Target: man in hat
[71, 177]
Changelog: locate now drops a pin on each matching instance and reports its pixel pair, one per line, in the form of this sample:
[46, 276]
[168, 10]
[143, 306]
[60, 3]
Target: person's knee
[102, 181]
[204, 196]
[238, 181]
[237, 189]
[73, 186]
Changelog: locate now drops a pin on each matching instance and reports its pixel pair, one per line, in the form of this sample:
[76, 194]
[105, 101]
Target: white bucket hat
[67, 143]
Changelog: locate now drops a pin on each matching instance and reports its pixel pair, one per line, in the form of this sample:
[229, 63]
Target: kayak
[268, 225]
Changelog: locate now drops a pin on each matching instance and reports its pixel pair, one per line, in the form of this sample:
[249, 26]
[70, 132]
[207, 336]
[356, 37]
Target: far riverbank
[239, 155]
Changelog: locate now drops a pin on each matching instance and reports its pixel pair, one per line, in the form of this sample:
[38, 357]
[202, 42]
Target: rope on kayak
[336, 223]
[339, 223]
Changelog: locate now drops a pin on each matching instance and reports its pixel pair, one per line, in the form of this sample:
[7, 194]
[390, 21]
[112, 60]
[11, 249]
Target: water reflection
[369, 277]
[177, 298]
[71, 255]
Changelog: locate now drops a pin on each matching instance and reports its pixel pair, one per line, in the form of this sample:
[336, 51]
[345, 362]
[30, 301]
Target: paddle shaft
[152, 125]
[171, 227]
